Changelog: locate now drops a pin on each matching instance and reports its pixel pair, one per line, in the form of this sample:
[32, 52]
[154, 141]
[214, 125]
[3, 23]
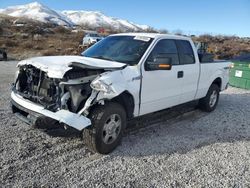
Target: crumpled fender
[116, 82]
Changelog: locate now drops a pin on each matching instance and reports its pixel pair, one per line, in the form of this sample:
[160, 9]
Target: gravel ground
[193, 150]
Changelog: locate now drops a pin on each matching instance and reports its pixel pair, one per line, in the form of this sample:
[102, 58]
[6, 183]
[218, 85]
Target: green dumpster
[240, 74]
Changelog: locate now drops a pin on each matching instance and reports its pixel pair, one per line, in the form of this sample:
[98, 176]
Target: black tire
[5, 56]
[94, 136]
[208, 104]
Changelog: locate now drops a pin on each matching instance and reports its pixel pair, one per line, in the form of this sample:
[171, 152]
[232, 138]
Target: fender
[203, 89]
[109, 85]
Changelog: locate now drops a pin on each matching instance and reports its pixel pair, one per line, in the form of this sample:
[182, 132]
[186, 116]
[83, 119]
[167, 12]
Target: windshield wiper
[104, 58]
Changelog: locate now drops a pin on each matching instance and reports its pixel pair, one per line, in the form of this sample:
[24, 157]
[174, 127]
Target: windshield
[94, 35]
[124, 49]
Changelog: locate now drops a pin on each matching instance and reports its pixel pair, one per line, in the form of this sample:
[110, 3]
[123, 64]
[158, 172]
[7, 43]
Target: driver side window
[165, 48]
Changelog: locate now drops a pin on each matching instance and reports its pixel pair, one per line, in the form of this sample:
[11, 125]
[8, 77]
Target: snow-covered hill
[98, 19]
[37, 12]
[92, 19]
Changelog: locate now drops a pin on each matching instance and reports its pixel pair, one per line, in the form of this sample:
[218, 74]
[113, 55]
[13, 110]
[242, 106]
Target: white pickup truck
[119, 78]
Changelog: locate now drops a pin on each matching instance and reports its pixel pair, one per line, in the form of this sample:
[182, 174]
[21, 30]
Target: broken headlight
[99, 85]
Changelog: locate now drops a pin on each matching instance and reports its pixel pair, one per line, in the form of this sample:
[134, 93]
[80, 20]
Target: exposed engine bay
[69, 93]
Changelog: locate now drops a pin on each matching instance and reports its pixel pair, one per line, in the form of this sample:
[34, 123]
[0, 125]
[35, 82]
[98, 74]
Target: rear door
[190, 69]
[161, 88]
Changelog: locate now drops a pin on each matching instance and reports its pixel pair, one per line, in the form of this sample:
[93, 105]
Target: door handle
[180, 74]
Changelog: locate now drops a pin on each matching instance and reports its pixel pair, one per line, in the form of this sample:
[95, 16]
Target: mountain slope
[93, 19]
[37, 12]
[97, 19]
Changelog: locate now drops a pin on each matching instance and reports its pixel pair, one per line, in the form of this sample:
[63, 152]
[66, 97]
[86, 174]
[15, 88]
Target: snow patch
[94, 19]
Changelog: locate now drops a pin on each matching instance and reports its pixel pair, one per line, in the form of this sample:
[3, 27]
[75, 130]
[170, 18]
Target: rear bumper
[29, 111]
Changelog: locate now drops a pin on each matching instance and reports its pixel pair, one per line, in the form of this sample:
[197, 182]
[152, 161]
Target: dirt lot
[194, 150]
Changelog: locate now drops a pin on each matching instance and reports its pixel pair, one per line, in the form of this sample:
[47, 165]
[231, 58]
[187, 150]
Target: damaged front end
[37, 94]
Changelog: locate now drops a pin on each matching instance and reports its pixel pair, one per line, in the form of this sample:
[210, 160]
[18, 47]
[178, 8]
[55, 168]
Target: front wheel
[108, 124]
[210, 101]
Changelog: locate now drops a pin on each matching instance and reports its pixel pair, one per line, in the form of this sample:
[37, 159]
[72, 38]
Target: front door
[161, 88]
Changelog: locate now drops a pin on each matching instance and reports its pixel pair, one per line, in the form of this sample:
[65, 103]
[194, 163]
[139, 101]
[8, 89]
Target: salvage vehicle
[119, 78]
[91, 38]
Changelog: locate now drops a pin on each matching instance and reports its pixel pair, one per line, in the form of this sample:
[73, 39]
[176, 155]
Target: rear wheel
[210, 101]
[108, 124]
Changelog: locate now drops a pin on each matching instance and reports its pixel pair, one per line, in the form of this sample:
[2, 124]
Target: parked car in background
[3, 55]
[91, 38]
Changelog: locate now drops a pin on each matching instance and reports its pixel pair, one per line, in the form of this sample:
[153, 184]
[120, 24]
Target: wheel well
[127, 101]
[217, 81]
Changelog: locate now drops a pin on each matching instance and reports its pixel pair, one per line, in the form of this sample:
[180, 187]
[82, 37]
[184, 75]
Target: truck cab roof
[153, 35]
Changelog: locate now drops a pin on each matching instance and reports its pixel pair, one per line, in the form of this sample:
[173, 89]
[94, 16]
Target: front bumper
[31, 109]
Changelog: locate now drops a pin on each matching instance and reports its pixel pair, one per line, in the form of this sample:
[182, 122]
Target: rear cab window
[185, 51]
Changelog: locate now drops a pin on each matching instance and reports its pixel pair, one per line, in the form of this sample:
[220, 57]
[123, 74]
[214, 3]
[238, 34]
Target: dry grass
[19, 47]
[225, 47]
[36, 39]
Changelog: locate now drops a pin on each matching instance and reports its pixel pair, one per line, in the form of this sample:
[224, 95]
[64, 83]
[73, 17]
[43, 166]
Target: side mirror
[159, 63]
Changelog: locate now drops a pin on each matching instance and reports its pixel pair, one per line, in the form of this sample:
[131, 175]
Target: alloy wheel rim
[111, 129]
[213, 99]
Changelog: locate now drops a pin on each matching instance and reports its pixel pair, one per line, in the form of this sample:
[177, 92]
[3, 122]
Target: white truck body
[150, 91]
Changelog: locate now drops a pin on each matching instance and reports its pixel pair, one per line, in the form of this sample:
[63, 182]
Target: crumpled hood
[57, 66]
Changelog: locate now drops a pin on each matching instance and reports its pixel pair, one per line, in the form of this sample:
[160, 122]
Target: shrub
[50, 52]
[28, 45]
[61, 30]
[11, 43]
